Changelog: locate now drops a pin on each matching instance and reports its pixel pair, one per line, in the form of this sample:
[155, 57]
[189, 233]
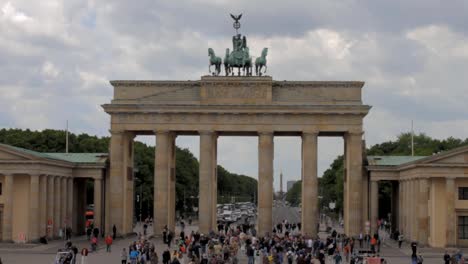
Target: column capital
[161, 132]
[116, 132]
[310, 133]
[207, 132]
[355, 132]
[265, 133]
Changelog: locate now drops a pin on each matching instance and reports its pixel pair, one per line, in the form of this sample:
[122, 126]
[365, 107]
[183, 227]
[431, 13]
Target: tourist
[123, 256]
[446, 257]
[134, 255]
[337, 258]
[400, 239]
[108, 243]
[94, 242]
[166, 256]
[414, 247]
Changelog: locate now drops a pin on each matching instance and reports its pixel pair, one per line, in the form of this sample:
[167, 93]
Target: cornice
[237, 109]
[319, 84]
[150, 83]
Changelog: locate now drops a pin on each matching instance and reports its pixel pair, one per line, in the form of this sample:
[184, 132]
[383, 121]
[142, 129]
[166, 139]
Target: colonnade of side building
[121, 186]
[50, 204]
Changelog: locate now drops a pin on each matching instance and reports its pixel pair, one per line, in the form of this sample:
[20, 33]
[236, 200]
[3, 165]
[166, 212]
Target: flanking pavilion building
[41, 193]
[429, 196]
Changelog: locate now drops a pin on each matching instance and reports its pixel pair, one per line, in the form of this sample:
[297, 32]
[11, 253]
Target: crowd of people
[240, 243]
[234, 243]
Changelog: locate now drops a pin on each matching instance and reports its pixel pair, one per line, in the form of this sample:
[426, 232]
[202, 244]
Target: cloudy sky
[56, 58]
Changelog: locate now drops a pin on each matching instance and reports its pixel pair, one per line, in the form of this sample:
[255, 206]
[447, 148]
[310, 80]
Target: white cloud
[9, 12]
[49, 70]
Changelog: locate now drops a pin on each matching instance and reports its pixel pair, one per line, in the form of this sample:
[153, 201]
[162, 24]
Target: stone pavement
[21, 254]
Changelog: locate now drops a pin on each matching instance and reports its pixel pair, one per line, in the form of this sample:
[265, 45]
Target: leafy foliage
[229, 184]
[293, 196]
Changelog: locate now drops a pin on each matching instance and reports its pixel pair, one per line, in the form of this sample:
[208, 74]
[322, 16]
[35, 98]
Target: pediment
[8, 153]
[455, 156]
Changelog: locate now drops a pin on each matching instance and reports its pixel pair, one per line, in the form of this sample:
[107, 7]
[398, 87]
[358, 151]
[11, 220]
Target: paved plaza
[20, 254]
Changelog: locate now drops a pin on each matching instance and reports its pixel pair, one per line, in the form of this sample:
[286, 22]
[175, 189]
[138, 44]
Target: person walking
[166, 256]
[400, 239]
[108, 243]
[446, 258]
[114, 232]
[250, 254]
[124, 256]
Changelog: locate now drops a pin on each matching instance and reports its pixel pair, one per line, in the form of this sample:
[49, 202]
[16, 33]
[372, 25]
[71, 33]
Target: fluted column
[57, 206]
[161, 181]
[172, 182]
[50, 206]
[265, 182]
[353, 184]
[70, 215]
[415, 210]
[63, 208]
[207, 162]
[43, 205]
[34, 217]
[423, 218]
[309, 184]
[374, 190]
[8, 208]
[400, 207]
[450, 212]
[214, 186]
[98, 203]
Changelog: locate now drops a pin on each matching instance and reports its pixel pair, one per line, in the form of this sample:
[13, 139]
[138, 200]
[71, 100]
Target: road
[282, 212]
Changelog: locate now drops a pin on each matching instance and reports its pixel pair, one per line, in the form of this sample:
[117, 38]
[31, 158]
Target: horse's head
[264, 52]
[210, 52]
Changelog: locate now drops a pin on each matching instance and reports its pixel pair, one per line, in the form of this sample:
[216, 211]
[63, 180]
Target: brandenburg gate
[246, 105]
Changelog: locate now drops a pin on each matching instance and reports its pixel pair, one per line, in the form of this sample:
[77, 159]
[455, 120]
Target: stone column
[98, 203]
[172, 182]
[50, 206]
[265, 182]
[451, 215]
[411, 214]
[374, 202]
[353, 184]
[43, 205]
[423, 219]
[415, 199]
[63, 209]
[34, 217]
[309, 184]
[8, 208]
[207, 161]
[214, 181]
[70, 203]
[395, 205]
[57, 206]
[161, 181]
[121, 181]
[400, 206]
